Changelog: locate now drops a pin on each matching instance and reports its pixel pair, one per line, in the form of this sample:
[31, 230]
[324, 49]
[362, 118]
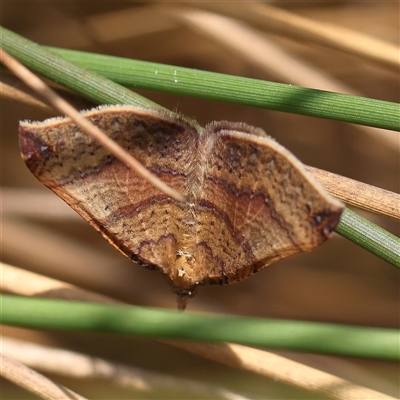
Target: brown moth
[249, 204]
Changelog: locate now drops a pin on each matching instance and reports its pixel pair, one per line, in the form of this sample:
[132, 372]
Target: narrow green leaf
[166, 324]
[59, 70]
[370, 236]
[235, 89]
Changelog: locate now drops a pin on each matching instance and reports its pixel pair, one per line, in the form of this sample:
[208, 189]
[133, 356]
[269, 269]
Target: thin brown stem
[34, 382]
[359, 194]
[58, 361]
[300, 27]
[64, 107]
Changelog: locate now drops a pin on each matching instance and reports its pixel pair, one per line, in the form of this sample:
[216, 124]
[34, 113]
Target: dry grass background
[338, 282]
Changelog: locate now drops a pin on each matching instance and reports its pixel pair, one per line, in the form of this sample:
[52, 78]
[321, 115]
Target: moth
[250, 202]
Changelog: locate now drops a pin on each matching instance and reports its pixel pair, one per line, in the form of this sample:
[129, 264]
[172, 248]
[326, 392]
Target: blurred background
[338, 282]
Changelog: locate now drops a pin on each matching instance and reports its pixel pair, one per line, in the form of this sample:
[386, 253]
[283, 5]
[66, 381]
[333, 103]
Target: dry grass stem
[24, 283]
[65, 108]
[253, 46]
[236, 356]
[299, 27]
[9, 92]
[34, 382]
[35, 203]
[283, 370]
[362, 195]
[64, 258]
[126, 24]
[59, 361]
[14, 89]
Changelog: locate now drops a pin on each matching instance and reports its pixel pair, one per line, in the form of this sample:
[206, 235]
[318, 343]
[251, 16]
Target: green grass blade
[370, 236]
[234, 89]
[58, 69]
[166, 324]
